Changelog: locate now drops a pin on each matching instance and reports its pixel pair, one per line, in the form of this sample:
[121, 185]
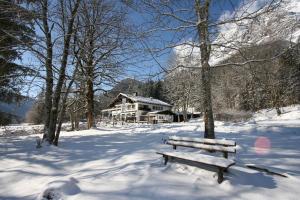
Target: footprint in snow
[57, 190]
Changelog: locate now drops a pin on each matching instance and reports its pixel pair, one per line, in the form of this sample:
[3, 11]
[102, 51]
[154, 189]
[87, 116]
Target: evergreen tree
[16, 32]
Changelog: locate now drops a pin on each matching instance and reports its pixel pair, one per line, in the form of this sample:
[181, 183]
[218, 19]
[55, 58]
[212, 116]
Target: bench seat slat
[201, 158]
[204, 140]
[202, 146]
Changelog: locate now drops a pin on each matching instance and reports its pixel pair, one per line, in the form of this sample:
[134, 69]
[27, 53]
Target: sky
[147, 66]
[153, 67]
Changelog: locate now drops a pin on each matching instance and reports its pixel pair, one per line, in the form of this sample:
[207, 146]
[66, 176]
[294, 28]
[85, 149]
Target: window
[157, 108]
[130, 107]
[144, 107]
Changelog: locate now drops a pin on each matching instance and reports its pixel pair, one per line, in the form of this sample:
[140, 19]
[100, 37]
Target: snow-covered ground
[27, 129]
[120, 163]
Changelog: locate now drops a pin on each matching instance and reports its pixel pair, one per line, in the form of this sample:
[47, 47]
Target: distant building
[134, 108]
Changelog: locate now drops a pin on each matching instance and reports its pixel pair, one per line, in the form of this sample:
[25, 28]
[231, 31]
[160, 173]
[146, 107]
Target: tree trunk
[48, 66]
[184, 115]
[205, 118]
[90, 78]
[72, 120]
[76, 120]
[62, 75]
[278, 111]
[63, 109]
[60, 120]
[90, 104]
[202, 27]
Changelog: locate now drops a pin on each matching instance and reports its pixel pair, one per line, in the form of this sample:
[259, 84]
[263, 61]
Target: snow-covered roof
[145, 99]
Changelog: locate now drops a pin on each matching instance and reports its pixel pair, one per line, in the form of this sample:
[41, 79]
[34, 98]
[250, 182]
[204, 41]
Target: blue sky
[149, 66]
[153, 67]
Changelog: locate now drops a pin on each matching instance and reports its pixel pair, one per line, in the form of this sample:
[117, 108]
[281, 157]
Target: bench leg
[174, 146]
[225, 154]
[220, 175]
[166, 159]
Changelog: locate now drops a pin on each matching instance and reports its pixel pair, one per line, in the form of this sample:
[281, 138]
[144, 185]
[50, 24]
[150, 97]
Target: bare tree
[56, 21]
[181, 85]
[195, 24]
[47, 31]
[103, 37]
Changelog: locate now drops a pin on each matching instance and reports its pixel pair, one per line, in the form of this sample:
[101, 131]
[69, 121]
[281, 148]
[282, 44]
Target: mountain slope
[15, 112]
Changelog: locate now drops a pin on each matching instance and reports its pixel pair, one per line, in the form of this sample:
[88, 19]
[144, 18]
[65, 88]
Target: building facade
[134, 108]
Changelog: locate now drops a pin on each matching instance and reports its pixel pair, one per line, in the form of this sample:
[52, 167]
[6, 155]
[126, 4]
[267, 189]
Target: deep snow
[121, 163]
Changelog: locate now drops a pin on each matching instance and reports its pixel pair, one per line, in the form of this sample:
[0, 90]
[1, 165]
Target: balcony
[144, 108]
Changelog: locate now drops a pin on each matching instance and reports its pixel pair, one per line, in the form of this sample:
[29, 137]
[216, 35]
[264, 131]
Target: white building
[135, 108]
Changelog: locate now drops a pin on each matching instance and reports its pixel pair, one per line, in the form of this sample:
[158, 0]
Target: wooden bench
[221, 164]
[224, 146]
[222, 142]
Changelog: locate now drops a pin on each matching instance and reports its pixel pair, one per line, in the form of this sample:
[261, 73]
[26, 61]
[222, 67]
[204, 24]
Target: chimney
[135, 94]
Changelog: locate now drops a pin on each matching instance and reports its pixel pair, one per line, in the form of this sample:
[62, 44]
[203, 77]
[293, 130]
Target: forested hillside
[271, 82]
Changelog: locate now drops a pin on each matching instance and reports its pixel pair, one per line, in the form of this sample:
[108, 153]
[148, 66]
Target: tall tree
[103, 37]
[56, 21]
[16, 30]
[202, 10]
[68, 15]
[194, 23]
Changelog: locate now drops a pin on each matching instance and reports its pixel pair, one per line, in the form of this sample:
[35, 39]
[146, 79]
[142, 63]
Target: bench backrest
[222, 142]
[202, 146]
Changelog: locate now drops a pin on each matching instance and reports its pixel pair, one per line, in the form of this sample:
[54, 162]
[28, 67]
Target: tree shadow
[237, 176]
[115, 152]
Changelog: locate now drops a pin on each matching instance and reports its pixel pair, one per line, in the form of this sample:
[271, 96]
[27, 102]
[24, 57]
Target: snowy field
[120, 163]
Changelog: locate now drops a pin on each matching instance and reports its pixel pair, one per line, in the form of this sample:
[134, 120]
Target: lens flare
[262, 145]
